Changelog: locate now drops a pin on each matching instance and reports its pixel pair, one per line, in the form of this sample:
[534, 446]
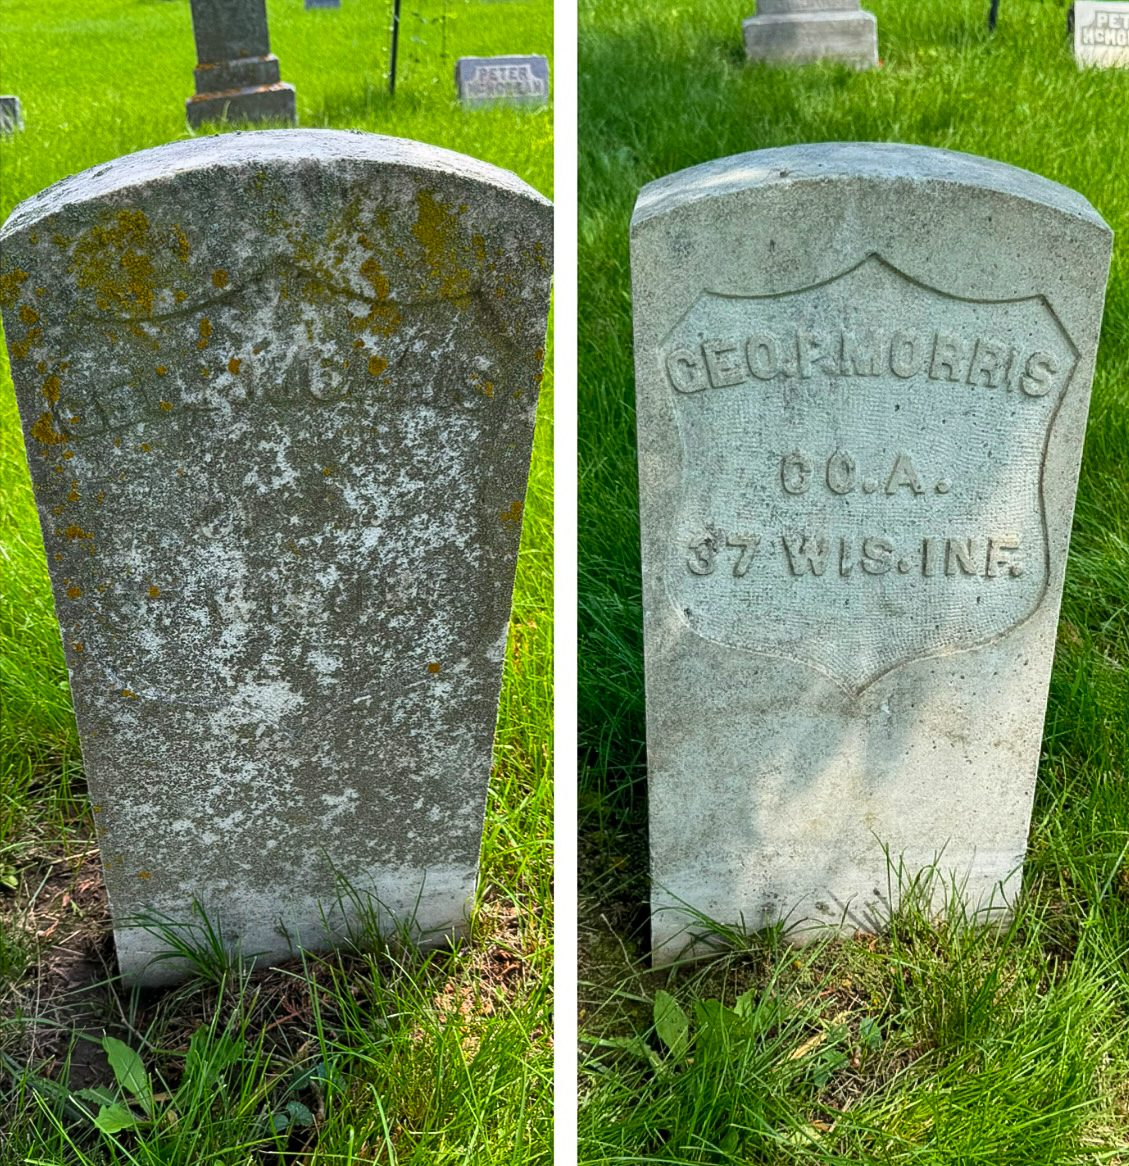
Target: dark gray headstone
[278, 393]
[491, 80]
[237, 76]
[11, 115]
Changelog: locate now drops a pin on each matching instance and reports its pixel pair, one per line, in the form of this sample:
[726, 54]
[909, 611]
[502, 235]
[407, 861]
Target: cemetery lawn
[382, 1054]
[931, 1042]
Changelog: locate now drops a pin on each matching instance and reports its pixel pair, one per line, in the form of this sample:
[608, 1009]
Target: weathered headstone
[1101, 33]
[323, 3]
[490, 80]
[796, 32]
[278, 393]
[237, 76]
[862, 373]
[11, 115]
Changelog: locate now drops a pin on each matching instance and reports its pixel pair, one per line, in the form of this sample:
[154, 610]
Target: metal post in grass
[395, 44]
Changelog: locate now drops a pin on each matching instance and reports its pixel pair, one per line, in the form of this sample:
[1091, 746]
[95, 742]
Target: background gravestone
[278, 393]
[1101, 33]
[237, 76]
[862, 374]
[513, 80]
[11, 115]
[797, 32]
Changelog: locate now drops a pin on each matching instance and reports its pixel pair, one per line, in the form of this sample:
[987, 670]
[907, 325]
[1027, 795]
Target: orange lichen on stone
[161, 370]
[78, 648]
[435, 229]
[376, 365]
[77, 532]
[513, 514]
[234, 365]
[10, 286]
[144, 874]
[45, 433]
[51, 388]
[182, 249]
[205, 332]
[433, 666]
[154, 591]
[166, 405]
[115, 261]
[383, 317]
[219, 277]
[28, 314]
[74, 591]
[129, 693]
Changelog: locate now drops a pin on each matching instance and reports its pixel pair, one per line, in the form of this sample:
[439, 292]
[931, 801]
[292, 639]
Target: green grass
[440, 1058]
[937, 1043]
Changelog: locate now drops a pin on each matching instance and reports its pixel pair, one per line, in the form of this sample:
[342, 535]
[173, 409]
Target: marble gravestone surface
[237, 76]
[862, 374]
[278, 392]
[1101, 33]
[796, 32]
[514, 80]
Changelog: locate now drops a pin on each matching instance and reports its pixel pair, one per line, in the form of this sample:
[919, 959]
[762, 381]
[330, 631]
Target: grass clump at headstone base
[933, 1042]
[393, 1056]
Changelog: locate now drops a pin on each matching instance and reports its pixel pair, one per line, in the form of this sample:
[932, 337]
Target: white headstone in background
[278, 392]
[862, 375]
[508, 80]
[1101, 33]
[797, 32]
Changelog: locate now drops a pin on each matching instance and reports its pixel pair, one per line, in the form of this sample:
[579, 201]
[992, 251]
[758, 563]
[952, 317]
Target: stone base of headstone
[798, 38]
[11, 116]
[263, 103]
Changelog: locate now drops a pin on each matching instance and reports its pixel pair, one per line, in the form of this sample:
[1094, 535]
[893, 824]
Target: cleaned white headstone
[278, 392]
[796, 32]
[863, 373]
[1101, 33]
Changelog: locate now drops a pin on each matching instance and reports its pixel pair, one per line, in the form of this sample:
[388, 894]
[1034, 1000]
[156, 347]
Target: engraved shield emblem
[861, 468]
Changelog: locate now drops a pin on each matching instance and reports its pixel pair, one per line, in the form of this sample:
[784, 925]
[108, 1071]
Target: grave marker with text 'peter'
[485, 81]
[863, 375]
[278, 393]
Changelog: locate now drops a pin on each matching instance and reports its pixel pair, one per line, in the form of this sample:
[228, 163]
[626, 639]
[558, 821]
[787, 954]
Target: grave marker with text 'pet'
[278, 393]
[863, 374]
[1101, 33]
